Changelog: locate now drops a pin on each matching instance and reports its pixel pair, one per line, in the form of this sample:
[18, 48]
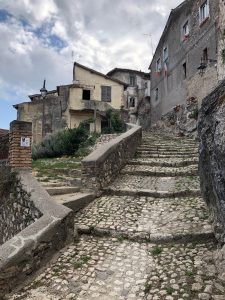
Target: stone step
[67, 171]
[175, 163]
[74, 201]
[61, 190]
[171, 152]
[146, 219]
[169, 149]
[145, 170]
[157, 155]
[152, 193]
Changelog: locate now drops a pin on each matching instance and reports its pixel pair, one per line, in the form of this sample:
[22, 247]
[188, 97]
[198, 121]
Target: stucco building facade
[136, 95]
[188, 62]
[89, 97]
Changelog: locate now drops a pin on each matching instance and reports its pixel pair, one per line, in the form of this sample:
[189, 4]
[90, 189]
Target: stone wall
[211, 132]
[104, 164]
[17, 211]
[4, 149]
[180, 120]
[41, 228]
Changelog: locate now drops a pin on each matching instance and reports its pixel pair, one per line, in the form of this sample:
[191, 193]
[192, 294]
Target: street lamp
[43, 95]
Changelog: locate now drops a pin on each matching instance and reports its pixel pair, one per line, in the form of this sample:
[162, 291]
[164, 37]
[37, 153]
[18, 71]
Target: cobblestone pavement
[139, 247]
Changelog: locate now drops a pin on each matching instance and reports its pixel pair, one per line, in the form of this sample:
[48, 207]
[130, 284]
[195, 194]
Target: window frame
[165, 58]
[158, 65]
[185, 33]
[108, 95]
[134, 79]
[156, 94]
[84, 90]
[204, 12]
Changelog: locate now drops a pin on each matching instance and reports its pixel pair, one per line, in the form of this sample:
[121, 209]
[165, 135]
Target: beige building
[89, 97]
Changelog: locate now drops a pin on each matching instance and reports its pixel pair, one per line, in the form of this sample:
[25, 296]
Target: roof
[100, 74]
[39, 95]
[127, 71]
[3, 131]
[173, 14]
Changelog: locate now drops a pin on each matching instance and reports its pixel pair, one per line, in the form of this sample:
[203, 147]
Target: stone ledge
[33, 246]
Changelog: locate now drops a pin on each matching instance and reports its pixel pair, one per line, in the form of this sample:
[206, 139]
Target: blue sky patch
[4, 15]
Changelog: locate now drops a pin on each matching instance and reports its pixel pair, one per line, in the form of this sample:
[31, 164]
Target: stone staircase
[148, 237]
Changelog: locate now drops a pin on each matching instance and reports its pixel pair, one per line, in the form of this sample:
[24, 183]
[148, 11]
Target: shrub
[65, 142]
[8, 180]
[115, 122]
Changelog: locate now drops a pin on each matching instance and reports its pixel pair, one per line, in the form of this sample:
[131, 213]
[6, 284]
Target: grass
[147, 288]
[169, 290]
[156, 250]
[189, 273]
[85, 258]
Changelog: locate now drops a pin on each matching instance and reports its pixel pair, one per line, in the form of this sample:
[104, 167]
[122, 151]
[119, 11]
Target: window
[132, 80]
[165, 54]
[205, 55]
[86, 95]
[185, 31]
[106, 93]
[204, 11]
[156, 94]
[132, 102]
[158, 65]
[185, 70]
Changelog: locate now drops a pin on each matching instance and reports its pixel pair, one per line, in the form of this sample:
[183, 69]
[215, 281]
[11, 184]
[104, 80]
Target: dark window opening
[86, 95]
[104, 126]
[132, 102]
[106, 93]
[157, 94]
[185, 70]
[205, 55]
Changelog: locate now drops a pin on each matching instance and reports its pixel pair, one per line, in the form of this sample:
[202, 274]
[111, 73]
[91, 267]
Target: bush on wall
[65, 142]
[115, 122]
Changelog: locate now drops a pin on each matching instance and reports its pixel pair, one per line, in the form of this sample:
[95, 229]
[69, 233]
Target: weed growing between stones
[156, 250]
[170, 290]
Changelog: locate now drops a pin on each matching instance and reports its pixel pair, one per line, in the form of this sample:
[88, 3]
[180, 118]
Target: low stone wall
[17, 211]
[49, 227]
[211, 131]
[104, 164]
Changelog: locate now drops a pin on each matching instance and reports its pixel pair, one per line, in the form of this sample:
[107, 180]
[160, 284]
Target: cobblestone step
[146, 218]
[156, 155]
[174, 163]
[117, 269]
[145, 170]
[163, 152]
[60, 190]
[75, 201]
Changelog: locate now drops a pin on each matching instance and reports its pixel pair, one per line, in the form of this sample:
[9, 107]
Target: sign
[25, 142]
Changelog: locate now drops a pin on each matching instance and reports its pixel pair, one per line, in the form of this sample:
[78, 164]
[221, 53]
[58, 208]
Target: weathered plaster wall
[77, 117]
[221, 40]
[88, 78]
[52, 110]
[104, 164]
[173, 87]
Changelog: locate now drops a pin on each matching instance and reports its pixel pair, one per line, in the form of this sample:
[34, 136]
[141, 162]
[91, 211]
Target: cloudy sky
[40, 39]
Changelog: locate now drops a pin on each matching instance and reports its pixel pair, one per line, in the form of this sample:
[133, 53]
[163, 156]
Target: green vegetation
[147, 288]
[156, 250]
[169, 290]
[114, 122]
[8, 180]
[189, 273]
[64, 142]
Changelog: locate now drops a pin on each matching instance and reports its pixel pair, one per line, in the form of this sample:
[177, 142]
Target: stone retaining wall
[211, 131]
[49, 227]
[104, 164]
[17, 211]
[4, 149]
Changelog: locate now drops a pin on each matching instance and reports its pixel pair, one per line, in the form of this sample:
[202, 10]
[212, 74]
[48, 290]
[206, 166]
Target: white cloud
[103, 34]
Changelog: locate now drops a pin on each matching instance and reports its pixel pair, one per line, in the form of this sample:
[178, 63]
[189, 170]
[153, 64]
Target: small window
[165, 54]
[132, 80]
[86, 95]
[156, 94]
[132, 102]
[106, 93]
[204, 11]
[205, 55]
[185, 31]
[185, 70]
[158, 65]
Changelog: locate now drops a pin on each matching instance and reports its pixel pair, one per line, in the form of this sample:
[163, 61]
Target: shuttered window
[106, 93]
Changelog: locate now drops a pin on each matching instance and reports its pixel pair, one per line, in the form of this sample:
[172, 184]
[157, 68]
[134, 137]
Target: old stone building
[137, 94]
[189, 59]
[90, 96]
